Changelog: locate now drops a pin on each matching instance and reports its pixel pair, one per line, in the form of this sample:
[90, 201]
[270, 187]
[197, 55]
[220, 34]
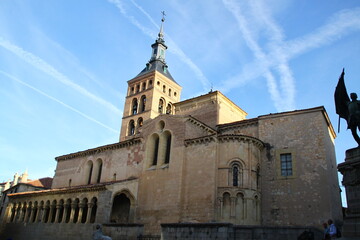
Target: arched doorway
[121, 209]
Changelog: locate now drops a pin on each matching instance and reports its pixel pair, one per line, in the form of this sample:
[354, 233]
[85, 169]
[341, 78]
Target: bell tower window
[134, 106]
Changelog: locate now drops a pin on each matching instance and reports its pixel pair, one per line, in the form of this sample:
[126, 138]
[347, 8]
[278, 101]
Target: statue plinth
[350, 169]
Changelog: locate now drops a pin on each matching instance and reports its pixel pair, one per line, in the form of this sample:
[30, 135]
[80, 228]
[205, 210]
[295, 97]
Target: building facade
[193, 161]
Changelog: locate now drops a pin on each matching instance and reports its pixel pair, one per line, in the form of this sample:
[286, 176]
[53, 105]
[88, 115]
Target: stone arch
[53, 210]
[98, 166]
[46, 211]
[122, 210]
[226, 208]
[84, 207]
[240, 208]
[61, 211]
[161, 105]
[165, 146]
[236, 173]
[28, 212]
[152, 150]
[88, 171]
[142, 103]
[256, 208]
[76, 209]
[258, 177]
[67, 211]
[93, 210]
[169, 108]
[131, 128]
[140, 123]
[134, 106]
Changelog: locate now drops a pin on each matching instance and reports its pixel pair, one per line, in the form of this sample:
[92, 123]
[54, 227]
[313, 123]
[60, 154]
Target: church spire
[161, 33]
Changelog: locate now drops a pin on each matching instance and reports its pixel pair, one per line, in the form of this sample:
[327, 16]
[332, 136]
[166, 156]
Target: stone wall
[311, 194]
[209, 231]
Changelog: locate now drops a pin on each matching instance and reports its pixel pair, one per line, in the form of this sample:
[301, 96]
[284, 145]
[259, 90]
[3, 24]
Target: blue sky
[64, 65]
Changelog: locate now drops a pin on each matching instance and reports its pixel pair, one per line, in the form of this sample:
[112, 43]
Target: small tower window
[169, 92]
[168, 109]
[150, 83]
[143, 103]
[134, 106]
[161, 105]
[144, 86]
[164, 89]
[137, 88]
[140, 122]
[131, 128]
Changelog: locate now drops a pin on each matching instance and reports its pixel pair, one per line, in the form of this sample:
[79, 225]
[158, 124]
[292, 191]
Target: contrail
[58, 101]
[47, 68]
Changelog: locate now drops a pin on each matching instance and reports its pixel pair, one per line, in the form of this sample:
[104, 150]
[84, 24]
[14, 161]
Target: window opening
[286, 164]
[168, 147]
[156, 148]
[168, 109]
[134, 106]
[161, 106]
[131, 128]
[99, 175]
[143, 103]
[235, 176]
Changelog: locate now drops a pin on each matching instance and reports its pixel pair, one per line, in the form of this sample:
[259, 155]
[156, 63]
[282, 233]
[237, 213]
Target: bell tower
[151, 93]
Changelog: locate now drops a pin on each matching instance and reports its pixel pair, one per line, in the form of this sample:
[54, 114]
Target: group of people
[330, 230]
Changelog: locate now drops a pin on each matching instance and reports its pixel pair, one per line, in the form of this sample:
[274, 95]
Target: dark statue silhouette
[348, 109]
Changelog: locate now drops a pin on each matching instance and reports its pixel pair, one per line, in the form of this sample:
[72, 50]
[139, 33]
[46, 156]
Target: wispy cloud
[280, 52]
[283, 96]
[48, 69]
[58, 101]
[339, 25]
[175, 49]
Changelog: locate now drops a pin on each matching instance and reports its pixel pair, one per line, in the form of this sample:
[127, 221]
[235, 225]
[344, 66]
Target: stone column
[88, 216]
[57, 213]
[350, 169]
[81, 209]
[43, 217]
[32, 214]
[38, 214]
[8, 213]
[51, 213]
[27, 213]
[72, 214]
[66, 209]
[232, 207]
[22, 212]
[221, 203]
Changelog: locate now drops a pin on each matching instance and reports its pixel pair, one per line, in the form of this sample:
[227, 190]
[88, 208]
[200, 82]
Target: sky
[64, 65]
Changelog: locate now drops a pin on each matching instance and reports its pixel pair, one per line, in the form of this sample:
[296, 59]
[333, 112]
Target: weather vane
[163, 18]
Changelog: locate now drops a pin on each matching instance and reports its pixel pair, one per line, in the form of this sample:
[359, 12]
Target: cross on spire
[161, 33]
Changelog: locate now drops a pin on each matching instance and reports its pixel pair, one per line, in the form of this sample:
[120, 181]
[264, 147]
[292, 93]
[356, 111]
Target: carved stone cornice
[238, 125]
[201, 125]
[200, 140]
[240, 138]
[100, 149]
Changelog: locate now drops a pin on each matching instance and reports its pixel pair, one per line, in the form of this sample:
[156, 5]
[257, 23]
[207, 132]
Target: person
[332, 229]
[354, 116]
[326, 231]
[98, 234]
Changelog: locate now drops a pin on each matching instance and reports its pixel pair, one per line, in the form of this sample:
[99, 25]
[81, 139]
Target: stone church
[193, 161]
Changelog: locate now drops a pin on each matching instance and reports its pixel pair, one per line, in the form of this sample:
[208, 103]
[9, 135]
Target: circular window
[161, 125]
